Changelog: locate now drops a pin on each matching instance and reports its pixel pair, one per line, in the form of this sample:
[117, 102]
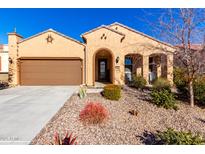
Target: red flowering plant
[93, 113]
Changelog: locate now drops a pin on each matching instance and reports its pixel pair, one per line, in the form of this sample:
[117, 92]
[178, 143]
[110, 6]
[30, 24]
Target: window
[128, 69]
[128, 61]
[102, 66]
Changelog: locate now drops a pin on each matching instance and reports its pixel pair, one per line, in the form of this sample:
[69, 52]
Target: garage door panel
[39, 76]
[51, 64]
[48, 62]
[45, 82]
[28, 76]
[47, 70]
[51, 72]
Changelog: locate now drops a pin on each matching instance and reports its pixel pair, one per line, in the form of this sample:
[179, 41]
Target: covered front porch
[150, 67]
[113, 69]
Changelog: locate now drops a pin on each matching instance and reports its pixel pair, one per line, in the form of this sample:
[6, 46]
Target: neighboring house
[194, 48]
[107, 55]
[4, 63]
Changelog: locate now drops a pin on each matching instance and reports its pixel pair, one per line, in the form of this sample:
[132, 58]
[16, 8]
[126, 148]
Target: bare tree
[183, 28]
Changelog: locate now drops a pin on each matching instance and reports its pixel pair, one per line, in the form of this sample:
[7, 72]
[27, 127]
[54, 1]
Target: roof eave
[51, 30]
[143, 34]
[102, 26]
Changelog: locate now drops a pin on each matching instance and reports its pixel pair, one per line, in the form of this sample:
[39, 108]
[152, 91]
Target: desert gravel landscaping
[121, 127]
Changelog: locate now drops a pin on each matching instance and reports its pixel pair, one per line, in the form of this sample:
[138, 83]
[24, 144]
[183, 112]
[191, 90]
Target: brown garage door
[50, 72]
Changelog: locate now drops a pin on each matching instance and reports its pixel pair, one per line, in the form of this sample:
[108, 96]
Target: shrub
[3, 85]
[138, 82]
[67, 140]
[164, 99]
[172, 137]
[82, 92]
[112, 92]
[161, 84]
[199, 90]
[180, 80]
[181, 83]
[93, 113]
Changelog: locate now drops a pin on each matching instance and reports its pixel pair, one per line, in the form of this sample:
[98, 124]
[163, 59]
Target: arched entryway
[103, 66]
[157, 66]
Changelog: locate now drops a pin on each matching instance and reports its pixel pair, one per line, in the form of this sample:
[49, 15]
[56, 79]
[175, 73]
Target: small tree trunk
[191, 93]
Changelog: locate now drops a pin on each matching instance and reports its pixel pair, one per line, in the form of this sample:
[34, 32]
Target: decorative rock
[121, 128]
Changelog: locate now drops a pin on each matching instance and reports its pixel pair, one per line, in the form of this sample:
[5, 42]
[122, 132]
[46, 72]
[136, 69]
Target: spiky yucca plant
[67, 140]
[82, 92]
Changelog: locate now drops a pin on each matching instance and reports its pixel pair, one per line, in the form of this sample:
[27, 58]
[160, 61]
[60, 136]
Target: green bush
[164, 98]
[112, 92]
[3, 85]
[199, 90]
[172, 137]
[161, 84]
[180, 80]
[181, 83]
[138, 82]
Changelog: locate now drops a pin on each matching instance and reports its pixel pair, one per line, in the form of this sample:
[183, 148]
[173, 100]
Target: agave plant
[67, 140]
[82, 92]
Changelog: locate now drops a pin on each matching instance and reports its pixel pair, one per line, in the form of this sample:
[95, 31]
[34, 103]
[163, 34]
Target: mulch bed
[121, 127]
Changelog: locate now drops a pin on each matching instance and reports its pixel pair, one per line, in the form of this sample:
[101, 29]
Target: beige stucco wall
[112, 44]
[13, 40]
[60, 47]
[117, 44]
[137, 43]
[132, 43]
[38, 46]
[3, 76]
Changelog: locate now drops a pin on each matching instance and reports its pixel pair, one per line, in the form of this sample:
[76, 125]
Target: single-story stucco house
[109, 54]
[4, 62]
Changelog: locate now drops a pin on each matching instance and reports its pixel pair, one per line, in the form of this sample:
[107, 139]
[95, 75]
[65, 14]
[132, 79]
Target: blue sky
[71, 22]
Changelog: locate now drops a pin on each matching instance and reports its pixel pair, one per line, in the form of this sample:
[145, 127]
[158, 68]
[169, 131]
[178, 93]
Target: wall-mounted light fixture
[117, 59]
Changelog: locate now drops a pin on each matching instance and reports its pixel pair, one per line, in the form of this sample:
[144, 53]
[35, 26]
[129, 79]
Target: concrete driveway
[25, 110]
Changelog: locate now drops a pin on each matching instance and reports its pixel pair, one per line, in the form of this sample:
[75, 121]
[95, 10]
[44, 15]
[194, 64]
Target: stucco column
[122, 70]
[13, 39]
[139, 71]
[170, 68]
[159, 70]
[90, 66]
[145, 68]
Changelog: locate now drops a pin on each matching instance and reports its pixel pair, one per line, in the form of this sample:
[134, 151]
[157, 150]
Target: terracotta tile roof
[193, 46]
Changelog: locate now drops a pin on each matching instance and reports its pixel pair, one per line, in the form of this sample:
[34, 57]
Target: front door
[102, 70]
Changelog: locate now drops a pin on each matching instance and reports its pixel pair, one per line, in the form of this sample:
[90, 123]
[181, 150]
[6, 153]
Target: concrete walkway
[25, 110]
